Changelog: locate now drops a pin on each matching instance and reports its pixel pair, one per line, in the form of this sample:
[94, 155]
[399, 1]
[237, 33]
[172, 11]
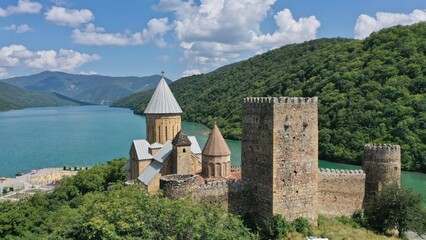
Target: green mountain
[12, 97]
[87, 88]
[369, 91]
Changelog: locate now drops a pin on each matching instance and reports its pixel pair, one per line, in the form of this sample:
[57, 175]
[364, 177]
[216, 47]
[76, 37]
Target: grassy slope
[369, 91]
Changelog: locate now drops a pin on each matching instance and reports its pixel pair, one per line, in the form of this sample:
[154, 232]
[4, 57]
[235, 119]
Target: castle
[279, 171]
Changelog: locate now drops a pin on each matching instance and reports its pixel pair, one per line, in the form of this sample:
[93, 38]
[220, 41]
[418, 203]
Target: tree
[396, 208]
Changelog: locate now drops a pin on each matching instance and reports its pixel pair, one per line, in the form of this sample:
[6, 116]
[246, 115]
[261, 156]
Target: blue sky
[181, 37]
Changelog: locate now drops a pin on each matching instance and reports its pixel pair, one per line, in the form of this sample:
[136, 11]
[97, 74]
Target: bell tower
[163, 114]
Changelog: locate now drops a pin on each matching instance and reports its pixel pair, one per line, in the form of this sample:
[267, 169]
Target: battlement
[382, 147]
[235, 168]
[340, 172]
[290, 100]
[230, 183]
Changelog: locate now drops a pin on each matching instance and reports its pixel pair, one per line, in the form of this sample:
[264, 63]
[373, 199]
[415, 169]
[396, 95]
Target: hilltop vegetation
[370, 91]
[95, 205]
[94, 89]
[12, 97]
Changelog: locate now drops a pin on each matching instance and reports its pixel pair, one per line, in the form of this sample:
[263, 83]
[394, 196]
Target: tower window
[184, 150]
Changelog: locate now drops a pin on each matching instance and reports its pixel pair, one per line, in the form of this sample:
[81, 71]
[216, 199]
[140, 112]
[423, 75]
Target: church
[168, 150]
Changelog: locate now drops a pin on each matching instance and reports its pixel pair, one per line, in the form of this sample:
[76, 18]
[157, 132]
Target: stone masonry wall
[280, 155]
[257, 151]
[382, 166]
[295, 158]
[234, 196]
[162, 127]
[340, 192]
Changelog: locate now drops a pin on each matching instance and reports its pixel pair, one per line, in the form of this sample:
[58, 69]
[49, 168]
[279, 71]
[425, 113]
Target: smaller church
[168, 150]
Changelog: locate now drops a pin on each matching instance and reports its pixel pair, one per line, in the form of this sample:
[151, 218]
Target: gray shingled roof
[156, 145]
[150, 172]
[195, 148]
[164, 152]
[163, 101]
[141, 147]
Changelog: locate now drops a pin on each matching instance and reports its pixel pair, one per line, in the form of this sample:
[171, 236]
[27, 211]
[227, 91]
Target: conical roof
[163, 101]
[181, 139]
[216, 145]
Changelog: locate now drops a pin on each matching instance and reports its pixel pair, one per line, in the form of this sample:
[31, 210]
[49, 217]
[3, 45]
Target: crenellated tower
[382, 166]
[163, 114]
[280, 152]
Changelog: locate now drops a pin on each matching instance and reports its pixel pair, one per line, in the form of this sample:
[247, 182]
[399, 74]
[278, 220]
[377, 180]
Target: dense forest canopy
[370, 91]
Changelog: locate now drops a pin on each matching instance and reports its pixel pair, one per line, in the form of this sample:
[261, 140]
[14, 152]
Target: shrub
[303, 226]
[275, 228]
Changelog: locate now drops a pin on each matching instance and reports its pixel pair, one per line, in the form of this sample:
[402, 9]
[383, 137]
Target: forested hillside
[369, 91]
[12, 97]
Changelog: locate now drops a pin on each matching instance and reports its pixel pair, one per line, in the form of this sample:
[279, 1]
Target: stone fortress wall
[279, 170]
[233, 195]
[340, 192]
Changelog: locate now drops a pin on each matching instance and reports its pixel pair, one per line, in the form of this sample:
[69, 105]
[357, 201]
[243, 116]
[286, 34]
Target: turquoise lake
[36, 138]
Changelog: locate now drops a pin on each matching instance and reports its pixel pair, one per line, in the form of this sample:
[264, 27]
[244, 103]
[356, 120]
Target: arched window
[218, 173]
[211, 170]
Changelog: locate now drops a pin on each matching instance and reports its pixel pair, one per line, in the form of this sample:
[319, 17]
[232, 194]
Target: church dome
[162, 101]
[216, 145]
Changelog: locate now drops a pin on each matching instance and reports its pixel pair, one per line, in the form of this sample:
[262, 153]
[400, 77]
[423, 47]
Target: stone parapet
[235, 168]
[340, 172]
[340, 192]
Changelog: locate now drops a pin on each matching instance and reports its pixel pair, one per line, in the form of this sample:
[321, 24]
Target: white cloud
[365, 24]
[18, 29]
[68, 17]
[97, 36]
[88, 73]
[214, 33]
[172, 5]
[92, 35]
[64, 60]
[156, 28]
[24, 6]
[4, 73]
[10, 56]
[190, 72]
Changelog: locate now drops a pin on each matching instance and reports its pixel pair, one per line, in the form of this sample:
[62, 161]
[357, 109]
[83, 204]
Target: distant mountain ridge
[12, 97]
[94, 89]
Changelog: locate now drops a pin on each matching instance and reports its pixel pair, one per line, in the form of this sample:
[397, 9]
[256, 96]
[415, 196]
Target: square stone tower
[280, 155]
